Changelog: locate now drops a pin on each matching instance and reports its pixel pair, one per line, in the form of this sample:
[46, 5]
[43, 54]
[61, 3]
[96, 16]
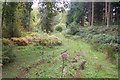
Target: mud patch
[79, 74]
[26, 70]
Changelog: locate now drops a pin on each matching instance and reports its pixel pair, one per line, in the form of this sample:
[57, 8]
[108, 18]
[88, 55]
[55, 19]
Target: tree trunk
[82, 21]
[106, 12]
[29, 20]
[2, 15]
[108, 15]
[111, 13]
[89, 14]
[117, 16]
[92, 14]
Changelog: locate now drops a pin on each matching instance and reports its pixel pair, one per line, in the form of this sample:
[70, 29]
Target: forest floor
[30, 62]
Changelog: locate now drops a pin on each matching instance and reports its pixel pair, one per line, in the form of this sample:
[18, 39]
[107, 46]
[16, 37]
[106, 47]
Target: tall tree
[99, 13]
[76, 13]
[106, 7]
[0, 19]
[89, 14]
[26, 15]
[108, 15]
[107, 12]
[28, 8]
[92, 13]
[15, 17]
[48, 11]
[8, 20]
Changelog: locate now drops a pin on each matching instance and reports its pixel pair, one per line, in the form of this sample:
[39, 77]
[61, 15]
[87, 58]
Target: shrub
[6, 41]
[37, 39]
[8, 32]
[111, 51]
[89, 37]
[104, 38]
[118, 39]
[83, 33]
[20, 41]
[59, 28]
[49, 42]
[23, 41]
[74, 28]
[7, 54]
[92, 30]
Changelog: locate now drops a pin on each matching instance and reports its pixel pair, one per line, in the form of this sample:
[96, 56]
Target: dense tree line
[15, 17]
[96, 23]
[48, 12]
[95, 13]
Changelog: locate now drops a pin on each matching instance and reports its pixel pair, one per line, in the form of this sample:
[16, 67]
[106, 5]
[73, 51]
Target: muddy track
[26, 70]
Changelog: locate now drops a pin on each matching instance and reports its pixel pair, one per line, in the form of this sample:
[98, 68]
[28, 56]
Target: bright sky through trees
[35, 3]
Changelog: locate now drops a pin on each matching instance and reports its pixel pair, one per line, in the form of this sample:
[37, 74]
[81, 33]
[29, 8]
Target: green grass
[51, 62]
